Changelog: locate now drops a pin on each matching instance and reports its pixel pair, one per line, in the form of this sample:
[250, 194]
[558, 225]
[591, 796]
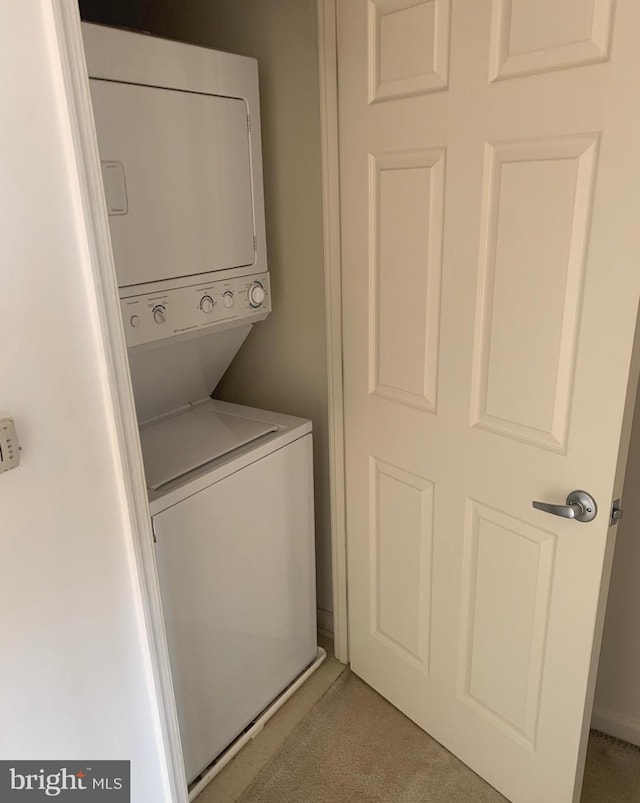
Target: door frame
[79, 115]
[328, 73]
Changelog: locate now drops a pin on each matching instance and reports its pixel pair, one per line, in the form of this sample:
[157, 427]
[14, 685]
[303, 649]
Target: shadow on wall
[140, 15]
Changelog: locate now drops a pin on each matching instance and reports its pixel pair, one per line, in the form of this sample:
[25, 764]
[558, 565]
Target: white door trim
[120, 398]
[328, 57]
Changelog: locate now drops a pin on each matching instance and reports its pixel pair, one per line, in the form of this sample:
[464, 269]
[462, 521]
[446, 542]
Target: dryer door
[177, 177]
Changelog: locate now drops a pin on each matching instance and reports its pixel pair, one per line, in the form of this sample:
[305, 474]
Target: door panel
[537, 203]
[405, 275]
[402, 532]
[422, 64]
[504, 559]
[490, 291]
[531, 37]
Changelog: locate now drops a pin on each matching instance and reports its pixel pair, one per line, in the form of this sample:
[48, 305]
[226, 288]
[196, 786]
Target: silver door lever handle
[580, 506]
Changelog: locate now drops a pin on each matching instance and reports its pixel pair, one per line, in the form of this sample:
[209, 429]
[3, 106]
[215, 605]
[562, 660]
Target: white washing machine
[230, 487]
[235, 560]
[231, 503]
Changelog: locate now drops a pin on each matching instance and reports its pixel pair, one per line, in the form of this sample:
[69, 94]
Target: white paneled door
[490, 192]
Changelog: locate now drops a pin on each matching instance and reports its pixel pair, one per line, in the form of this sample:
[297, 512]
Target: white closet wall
[76, 679]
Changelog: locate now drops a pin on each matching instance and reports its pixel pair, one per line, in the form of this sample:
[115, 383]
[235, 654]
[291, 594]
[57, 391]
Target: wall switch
[9, 447]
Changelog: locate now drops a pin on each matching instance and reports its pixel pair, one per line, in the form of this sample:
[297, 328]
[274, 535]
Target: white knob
[256, 294]
[158, 314]
[206, 304]
[227, 299]
[134, 320]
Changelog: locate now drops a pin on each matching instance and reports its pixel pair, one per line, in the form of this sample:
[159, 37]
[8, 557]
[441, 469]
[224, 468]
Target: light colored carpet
[357, 748]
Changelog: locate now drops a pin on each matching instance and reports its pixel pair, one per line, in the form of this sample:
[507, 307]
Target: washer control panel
[185, 310]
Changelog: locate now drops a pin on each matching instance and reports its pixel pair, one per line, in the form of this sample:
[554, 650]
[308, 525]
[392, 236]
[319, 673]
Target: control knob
[206, 304]
[227, 299]
[159, 314]
[256, 294]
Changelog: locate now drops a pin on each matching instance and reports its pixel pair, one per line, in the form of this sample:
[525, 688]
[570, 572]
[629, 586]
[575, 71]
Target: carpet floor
[354, 747]
[612, 771]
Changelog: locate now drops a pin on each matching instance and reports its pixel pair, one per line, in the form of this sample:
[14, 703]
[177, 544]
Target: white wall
[75, 674]
[617, 701]
[282, 366]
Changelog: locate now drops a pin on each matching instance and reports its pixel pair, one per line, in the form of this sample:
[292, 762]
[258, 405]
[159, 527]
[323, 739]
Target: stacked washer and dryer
[230, 487]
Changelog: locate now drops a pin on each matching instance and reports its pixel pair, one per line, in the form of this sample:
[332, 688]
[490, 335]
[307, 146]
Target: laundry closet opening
[213, 302]
[283, 369]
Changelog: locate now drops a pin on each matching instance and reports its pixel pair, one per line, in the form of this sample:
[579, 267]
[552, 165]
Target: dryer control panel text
[196, 308]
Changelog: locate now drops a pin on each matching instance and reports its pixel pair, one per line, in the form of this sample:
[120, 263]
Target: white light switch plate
[9, 447]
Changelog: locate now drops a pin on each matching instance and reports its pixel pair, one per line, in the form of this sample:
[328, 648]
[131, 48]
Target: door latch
[616, 512]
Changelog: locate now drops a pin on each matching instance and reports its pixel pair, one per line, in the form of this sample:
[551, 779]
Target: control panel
[196, 308]
[9, 448]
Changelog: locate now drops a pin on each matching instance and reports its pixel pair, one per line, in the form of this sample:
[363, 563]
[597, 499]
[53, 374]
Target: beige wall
[617, 702]
[283, 363]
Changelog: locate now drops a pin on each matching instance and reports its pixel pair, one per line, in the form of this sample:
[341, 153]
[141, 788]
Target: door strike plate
[616, 512]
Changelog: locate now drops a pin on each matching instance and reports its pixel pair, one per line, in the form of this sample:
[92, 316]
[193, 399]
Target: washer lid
[174, 446]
